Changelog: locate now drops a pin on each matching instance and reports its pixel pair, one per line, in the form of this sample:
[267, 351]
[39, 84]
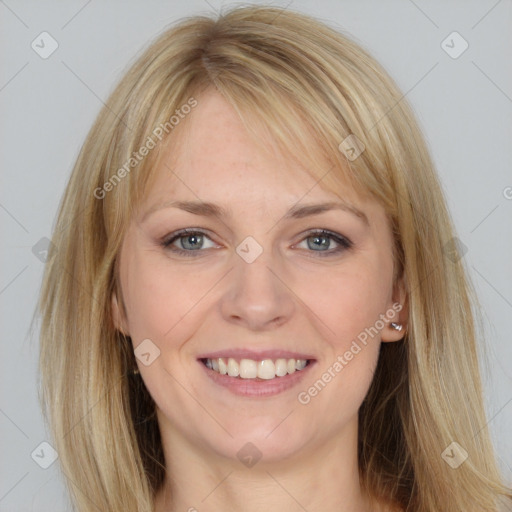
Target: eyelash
[343, 242]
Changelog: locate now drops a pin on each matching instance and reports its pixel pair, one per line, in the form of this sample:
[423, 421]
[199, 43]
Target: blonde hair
[302, 83]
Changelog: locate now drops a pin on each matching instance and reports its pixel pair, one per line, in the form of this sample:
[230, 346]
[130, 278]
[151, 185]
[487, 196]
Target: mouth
[256, 378]
[258, 370]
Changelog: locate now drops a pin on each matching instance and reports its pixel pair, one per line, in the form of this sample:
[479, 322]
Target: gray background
[48, 105]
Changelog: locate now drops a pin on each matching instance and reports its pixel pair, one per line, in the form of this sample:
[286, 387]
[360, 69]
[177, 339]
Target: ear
[397, 313]
[118, 315]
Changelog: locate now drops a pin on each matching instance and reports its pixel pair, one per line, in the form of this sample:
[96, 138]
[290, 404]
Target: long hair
[307, 87]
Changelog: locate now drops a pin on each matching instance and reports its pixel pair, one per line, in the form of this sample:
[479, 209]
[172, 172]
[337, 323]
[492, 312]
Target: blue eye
[191, 242]
[321, 242]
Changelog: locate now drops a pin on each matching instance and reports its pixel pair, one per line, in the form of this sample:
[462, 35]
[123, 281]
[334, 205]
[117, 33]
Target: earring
[395, 326]
[135, 371]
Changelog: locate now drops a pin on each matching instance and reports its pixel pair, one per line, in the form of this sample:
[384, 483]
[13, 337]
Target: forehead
[212, 157]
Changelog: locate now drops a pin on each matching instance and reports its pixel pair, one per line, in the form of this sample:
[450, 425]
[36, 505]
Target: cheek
[348, 301]
[349, 307]
[158, 296]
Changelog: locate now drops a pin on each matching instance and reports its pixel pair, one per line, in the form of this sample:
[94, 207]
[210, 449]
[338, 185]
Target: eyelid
[343, 242]
[167, 240]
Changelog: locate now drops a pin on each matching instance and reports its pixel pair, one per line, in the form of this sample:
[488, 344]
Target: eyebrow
[207, 209]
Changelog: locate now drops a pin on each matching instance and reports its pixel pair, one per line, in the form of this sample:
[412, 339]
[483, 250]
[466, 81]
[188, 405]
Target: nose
[256, 295]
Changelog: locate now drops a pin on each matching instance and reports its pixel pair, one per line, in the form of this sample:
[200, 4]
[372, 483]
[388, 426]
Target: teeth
[233, 368]
[266, 369]
[223, 369]
[281, 367]
[250, 369]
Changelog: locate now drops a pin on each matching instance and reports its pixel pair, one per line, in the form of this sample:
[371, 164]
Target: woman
[261, 305]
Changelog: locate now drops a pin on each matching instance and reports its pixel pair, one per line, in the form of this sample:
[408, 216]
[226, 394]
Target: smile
[256, 378]
[265, 369]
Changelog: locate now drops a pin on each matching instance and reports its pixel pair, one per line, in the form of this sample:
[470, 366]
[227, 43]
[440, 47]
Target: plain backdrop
[463, 102]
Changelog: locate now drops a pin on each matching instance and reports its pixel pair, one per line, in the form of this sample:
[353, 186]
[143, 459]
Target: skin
[290, 297]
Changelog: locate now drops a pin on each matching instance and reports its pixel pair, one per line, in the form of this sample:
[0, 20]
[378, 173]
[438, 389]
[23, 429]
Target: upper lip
[256, 355]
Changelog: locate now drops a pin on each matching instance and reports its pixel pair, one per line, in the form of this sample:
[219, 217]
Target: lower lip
[257, 388]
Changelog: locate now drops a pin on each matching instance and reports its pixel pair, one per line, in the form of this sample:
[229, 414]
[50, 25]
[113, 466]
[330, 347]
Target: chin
[268, 442]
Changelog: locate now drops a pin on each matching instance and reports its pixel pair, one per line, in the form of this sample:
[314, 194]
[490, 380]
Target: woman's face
[255, 282]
